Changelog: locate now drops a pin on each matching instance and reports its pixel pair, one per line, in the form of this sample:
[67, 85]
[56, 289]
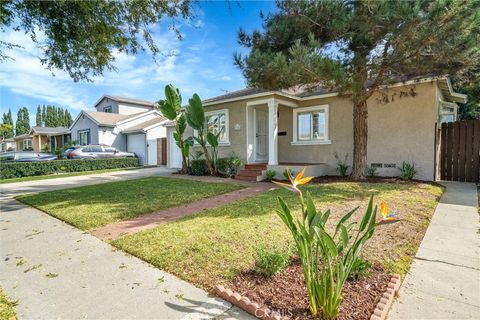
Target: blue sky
[203, 63]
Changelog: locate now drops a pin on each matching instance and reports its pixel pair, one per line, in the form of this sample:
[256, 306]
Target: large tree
[22, 126]
[7, 120]
[356, 47]
[80, 37]
[38, 117]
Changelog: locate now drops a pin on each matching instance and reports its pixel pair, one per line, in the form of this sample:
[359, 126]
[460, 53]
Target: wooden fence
[460, 151]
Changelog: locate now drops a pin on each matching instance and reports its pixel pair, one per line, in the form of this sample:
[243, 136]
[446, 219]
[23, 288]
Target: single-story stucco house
[296, 129]
[38, 137]
[127, 124]
[7, 144]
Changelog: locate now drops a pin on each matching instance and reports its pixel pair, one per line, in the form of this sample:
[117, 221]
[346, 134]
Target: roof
[127, 100]
[22, 136]
[307, 91]
[108, 119]
[145, 125]
[50, 130]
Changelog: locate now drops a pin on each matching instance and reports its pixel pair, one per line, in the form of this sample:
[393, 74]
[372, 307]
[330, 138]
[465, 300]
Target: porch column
[273, 132]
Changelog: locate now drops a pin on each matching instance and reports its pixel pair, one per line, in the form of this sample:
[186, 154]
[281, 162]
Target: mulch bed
[286, 293]
[376, 179]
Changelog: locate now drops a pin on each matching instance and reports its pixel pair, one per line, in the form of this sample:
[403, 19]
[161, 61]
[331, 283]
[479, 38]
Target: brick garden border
[380, 312]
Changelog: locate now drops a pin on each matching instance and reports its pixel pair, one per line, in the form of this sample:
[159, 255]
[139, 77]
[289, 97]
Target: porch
[257, 171]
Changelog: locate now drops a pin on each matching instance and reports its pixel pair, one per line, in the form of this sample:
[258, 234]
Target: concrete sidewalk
[444, 279]
[17, 188]
[56, 271]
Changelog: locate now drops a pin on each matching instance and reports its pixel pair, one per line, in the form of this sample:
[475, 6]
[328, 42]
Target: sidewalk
[444, 279]
[56, 271]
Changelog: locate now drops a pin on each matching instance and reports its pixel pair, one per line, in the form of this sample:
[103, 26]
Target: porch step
[245, 178]
[250, 173]
[256, 166]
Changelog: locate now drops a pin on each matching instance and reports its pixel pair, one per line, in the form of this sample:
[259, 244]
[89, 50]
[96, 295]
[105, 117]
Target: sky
[202, 63]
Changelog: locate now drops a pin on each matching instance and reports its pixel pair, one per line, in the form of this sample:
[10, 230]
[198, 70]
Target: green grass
[7, 311]
[213, 246]
[56, 176]
[93, 206]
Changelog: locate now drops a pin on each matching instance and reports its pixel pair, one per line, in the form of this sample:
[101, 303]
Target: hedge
[199, 167]
[24, 169]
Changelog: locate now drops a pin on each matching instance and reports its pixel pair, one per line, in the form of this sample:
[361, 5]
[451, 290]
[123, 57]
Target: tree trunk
[360, 138]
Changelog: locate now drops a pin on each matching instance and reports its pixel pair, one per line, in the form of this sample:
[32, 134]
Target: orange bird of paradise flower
[386, 217]
[294, 183]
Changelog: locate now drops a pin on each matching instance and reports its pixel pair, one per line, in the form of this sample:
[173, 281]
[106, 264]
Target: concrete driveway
[57, 271]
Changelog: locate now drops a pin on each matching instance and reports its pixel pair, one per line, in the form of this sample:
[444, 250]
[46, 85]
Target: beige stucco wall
[38, 141]
[402, 129]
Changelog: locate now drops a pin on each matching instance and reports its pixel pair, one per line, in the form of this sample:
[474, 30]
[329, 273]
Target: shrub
[25, 169]
[286, 171]
[342, 166]
[359, 268]
[270, 174]
[407, 170]
[372, 171]
[271, 260]
[327, 257]
[228, 167]
[199, 167]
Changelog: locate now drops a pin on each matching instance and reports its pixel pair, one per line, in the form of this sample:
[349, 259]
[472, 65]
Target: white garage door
[175, 153]
[136, 144]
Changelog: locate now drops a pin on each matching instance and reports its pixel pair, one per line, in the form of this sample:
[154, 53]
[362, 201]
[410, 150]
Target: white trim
[273, 132]
[78, 118]
[227, 126]
[255, 159]
[137, 116]
[325, 140]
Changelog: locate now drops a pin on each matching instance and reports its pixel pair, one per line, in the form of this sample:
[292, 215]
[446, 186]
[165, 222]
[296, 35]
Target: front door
[261, 130]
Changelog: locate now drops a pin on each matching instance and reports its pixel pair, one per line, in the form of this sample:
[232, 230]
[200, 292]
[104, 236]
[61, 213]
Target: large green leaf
[344, 219]
[212, 139]
[173, 96]
[311, 210]
[368, 214]
[181, 123]
[195, 113]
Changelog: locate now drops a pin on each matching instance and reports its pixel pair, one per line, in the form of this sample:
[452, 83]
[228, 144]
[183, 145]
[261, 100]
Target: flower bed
[285, 296]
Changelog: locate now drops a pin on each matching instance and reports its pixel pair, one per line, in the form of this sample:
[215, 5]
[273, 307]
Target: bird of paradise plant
[327, 259]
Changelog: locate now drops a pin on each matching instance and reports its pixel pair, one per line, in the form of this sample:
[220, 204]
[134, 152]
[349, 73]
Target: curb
[380, 312]
[383, 306]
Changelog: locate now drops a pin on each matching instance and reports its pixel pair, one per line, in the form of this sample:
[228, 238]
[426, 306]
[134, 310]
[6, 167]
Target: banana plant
[195, 115]
[171, 108]
[327, 259]
[212, 140]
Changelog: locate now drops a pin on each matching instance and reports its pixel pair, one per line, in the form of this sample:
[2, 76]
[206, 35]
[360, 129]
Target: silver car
[96, 151]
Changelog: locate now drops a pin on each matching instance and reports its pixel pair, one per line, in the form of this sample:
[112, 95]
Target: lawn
[93, 206]
[213, 246]
[6, 307]
[56, 176]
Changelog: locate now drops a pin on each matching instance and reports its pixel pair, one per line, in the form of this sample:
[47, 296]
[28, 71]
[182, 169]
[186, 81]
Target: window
[107, 109]
[27, 144]
[217, 121]
[84, 137]
[310, 125]
[110, 149]
[447, 112]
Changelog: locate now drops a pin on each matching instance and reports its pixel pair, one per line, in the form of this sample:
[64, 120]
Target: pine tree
[38, 117]
[43, 115]
[68, 119]
[8, 120]
[373, 43]
[23, 122]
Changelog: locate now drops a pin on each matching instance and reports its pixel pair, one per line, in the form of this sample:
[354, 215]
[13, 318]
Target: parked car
[97, 151]
[26, 156]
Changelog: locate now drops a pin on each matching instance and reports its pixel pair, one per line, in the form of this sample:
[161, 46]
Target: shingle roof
[237, 94]
[108, 119]
[51, 130]
[128, 100]
[22, 136]
[141, 126]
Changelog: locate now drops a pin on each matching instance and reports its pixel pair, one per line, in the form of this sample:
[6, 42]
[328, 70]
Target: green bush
[270, 174]
[286, 171]
[342, 166]
[228, 167]
[271, 260]
[25, 169]
[407, 170]
[360, 268]
[372, 171]
[199, 167]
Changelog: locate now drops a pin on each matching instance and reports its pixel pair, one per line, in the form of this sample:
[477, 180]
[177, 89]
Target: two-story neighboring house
[127, 124]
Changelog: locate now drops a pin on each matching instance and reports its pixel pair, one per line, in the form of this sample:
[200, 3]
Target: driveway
[13, 189]
[57, 271]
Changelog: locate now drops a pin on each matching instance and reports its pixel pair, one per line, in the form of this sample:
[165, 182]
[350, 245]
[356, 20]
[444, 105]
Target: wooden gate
[460, 151]
[162, 151]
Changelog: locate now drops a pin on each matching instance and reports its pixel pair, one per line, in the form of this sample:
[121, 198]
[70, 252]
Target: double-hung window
[310, 125]
[216, 122]
[447, 112]
[27, 144]
[84, 137]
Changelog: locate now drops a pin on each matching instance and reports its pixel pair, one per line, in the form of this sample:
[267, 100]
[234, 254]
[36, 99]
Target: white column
[273, 132]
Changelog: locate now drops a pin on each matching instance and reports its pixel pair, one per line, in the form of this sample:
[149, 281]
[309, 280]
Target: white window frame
[227, 126]
[296, 141]
[87, 131]
[442, 113]
[27, 144]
